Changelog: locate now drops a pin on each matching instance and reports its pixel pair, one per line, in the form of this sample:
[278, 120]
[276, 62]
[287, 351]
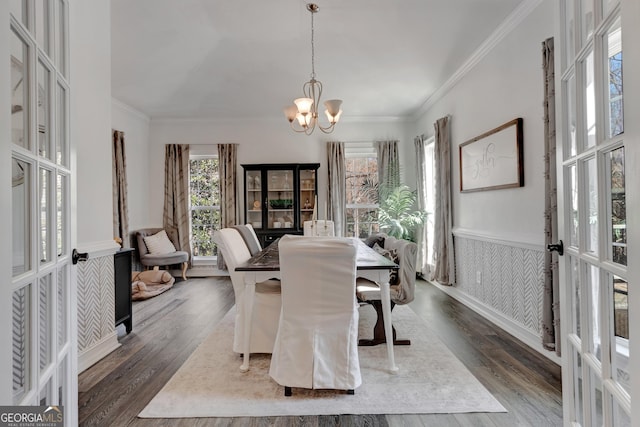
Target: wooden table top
[269, 259]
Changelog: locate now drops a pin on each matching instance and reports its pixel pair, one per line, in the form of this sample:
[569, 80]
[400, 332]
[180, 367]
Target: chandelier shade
[303, 114]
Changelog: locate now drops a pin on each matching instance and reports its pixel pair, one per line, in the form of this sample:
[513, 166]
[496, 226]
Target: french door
[592, 207]
[43, 366]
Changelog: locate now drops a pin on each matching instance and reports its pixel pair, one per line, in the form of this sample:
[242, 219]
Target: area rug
[430, 380]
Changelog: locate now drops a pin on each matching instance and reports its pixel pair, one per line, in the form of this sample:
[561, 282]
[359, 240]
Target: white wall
[90, 44]
[506, 84]
[135, 126]
[261, 141]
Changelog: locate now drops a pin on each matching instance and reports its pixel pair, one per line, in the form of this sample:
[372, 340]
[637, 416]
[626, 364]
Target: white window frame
[360, 150]
[201, 153]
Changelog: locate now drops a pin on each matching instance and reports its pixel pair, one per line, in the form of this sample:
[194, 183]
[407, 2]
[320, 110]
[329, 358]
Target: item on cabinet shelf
[256, 182]
[287, 224]
[250, 182]
[256, 224]
[277, 224]
[256, 204]
[281, 203]
[306, 205]
[286, 184]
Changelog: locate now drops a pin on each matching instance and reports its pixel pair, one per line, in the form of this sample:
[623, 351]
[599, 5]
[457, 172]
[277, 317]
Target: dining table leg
[385, 294]
[249, 293]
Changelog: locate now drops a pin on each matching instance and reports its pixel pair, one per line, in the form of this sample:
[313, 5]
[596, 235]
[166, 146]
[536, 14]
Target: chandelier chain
[313, 53]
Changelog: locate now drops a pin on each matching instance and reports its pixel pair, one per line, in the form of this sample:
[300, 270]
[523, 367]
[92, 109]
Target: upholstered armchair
[402, 283]
[155, 248]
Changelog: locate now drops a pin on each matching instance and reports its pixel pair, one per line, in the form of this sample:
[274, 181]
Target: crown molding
[129, 109]
[244, 120]
[503, 30]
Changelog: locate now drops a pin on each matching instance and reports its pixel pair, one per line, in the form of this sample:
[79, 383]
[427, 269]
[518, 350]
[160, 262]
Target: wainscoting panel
[96, 310]
[507, 279]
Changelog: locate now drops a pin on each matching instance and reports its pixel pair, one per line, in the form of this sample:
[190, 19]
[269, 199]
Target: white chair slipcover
[317, 342]
[267, 300]
[319, 228]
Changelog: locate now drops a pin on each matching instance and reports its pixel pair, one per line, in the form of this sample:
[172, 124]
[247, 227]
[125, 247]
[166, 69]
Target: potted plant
[396, 214]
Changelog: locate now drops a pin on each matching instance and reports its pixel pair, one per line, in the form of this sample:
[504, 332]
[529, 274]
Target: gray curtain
[119, 183]
[175, 217]
[228, 164]
[551, 293]
[422, 239]
[443, 253]
[388, 165]
[336, 186]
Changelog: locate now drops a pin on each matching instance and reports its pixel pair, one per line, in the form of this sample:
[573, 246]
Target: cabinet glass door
[280, 191]
[307, 199]
[254, 207]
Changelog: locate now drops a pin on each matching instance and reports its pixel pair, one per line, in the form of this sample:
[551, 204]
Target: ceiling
[245, 59]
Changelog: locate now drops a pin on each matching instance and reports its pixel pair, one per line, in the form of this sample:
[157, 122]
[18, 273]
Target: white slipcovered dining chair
[319, 228]
[266, 305]
[317, 342]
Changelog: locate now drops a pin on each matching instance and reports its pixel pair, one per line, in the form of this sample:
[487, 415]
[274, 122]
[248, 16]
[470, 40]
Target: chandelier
[303, 115]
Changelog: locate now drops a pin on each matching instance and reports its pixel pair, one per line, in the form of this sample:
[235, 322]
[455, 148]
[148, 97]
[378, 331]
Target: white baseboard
[93, 354]
[523, 334]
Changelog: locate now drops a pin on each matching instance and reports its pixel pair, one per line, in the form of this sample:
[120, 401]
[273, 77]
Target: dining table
[265, 265]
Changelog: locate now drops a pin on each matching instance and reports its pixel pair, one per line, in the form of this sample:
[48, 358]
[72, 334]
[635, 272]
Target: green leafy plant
[396, 214]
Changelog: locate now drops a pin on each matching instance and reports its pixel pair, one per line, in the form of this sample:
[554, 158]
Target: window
[362, 189]
[429, 197]
[204, 195]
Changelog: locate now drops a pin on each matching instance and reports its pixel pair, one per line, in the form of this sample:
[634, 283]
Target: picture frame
[493, 160]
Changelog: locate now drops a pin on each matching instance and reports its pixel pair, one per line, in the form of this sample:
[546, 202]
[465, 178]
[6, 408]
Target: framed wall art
[493, 160]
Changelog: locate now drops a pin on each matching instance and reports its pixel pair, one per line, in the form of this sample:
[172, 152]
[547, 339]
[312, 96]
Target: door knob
[77, 256]
[557, 247]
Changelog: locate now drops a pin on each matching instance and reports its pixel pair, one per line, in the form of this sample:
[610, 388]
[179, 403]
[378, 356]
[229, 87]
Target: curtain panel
[422, 238]
[119, 189]
[551, 291]
[228, 165]
[337, 186]
[443, 252]
[175, 217]
[388, 165]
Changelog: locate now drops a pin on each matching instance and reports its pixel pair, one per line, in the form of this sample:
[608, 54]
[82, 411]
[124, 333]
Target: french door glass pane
[19, 92]
[21, 347]
[61, 156]
[576, 368]
[573, 208]
[61, 197]
[576, 295]
[620, 417]
[42, 24]
[586, 7]
[595, 399]
[593, 281]
[591, 180]
[21, 214]
[44, 130]
[45, 393]
[589, 101]
[571, 115]
[620, 336]
[62, 382]
[19, 10]
[613, 44]
[45, 206]
[63, 309]
[570, 33]
[45, 298]
[618, 225]
[59, 37]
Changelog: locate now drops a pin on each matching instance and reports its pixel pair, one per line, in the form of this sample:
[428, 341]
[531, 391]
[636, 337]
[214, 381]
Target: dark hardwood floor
[169, 327]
